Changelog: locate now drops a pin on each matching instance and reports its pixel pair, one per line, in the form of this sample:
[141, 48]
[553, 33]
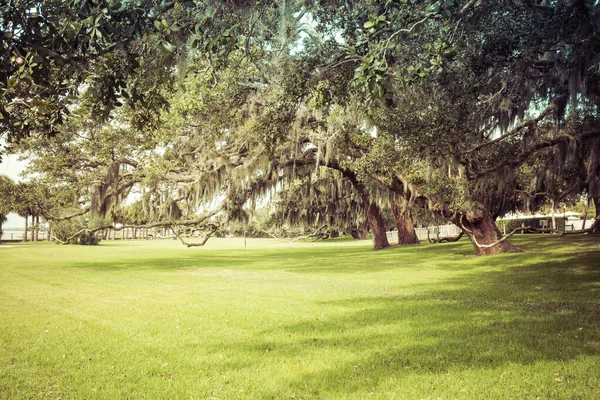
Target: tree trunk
[26, 228]
[553, 215]
[358, 234]
[405, 225]
[597, 206]
[482, 231]
[377, 226]
[362, 231]
[37, 228]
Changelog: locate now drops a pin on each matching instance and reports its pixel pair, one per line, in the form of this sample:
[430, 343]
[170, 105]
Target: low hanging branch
[316, 233]
[213, 229]
[445, 239]
[275, 236]
[530, 229]
[584, 230]
[201, 221]
[58, 240]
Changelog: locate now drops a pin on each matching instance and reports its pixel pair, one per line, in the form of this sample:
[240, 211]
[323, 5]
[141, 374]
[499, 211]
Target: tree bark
[482, 231]
[597, 206]
[405, 225]
[375, 220]
[37, 228]
[26, 228]
[377, 226]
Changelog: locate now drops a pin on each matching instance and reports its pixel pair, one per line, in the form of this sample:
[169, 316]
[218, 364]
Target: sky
[12, 167]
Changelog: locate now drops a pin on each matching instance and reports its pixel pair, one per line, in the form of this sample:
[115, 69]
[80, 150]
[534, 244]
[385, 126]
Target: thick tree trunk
[482, 231]
[377, 227]
[375, 220]
[405, 225]
[597, 205]
[363, 229]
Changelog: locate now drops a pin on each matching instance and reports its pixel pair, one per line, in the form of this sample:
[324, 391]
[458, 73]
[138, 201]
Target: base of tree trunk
[359, 234]
[405, 226]
[483, 233]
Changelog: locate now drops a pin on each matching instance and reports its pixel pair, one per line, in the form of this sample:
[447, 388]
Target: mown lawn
[334, 320]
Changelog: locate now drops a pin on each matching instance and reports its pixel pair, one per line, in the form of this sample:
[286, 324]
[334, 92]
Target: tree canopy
[465, 110]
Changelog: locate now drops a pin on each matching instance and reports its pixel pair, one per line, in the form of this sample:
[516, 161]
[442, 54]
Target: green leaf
[369, 24]
[168, 46]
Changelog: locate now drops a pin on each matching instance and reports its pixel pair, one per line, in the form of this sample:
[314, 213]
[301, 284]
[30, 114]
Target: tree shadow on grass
[545, 312]
[504, 310]
[337, 259]
[310, 259]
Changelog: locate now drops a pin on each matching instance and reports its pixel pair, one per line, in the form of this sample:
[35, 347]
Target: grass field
[334, 320]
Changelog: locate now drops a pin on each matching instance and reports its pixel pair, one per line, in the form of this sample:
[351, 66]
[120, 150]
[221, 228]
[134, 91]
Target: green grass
[155, 320]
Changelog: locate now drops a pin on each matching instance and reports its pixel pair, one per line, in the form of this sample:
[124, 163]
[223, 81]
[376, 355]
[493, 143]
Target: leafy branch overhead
[336, 113]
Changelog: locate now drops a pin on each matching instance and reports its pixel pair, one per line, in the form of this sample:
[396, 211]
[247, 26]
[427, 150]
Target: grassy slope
[152, 320]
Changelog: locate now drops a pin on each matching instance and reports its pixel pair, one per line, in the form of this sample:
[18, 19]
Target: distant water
[9, 234]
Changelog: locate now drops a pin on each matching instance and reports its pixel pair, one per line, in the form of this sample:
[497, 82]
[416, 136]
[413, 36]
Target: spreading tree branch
[525, 124]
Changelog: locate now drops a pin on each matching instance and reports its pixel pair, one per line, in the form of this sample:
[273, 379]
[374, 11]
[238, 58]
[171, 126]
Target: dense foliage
[464, 110]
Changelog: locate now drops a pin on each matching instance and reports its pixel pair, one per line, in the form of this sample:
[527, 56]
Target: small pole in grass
[244, 238]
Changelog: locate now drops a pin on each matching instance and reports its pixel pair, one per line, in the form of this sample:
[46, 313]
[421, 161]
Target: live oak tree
[106, 53]
[462, 92]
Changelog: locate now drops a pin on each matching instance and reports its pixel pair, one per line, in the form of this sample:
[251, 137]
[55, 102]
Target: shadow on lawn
[343, 260]
[309, 259]
[524, 315]
[510, 309]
